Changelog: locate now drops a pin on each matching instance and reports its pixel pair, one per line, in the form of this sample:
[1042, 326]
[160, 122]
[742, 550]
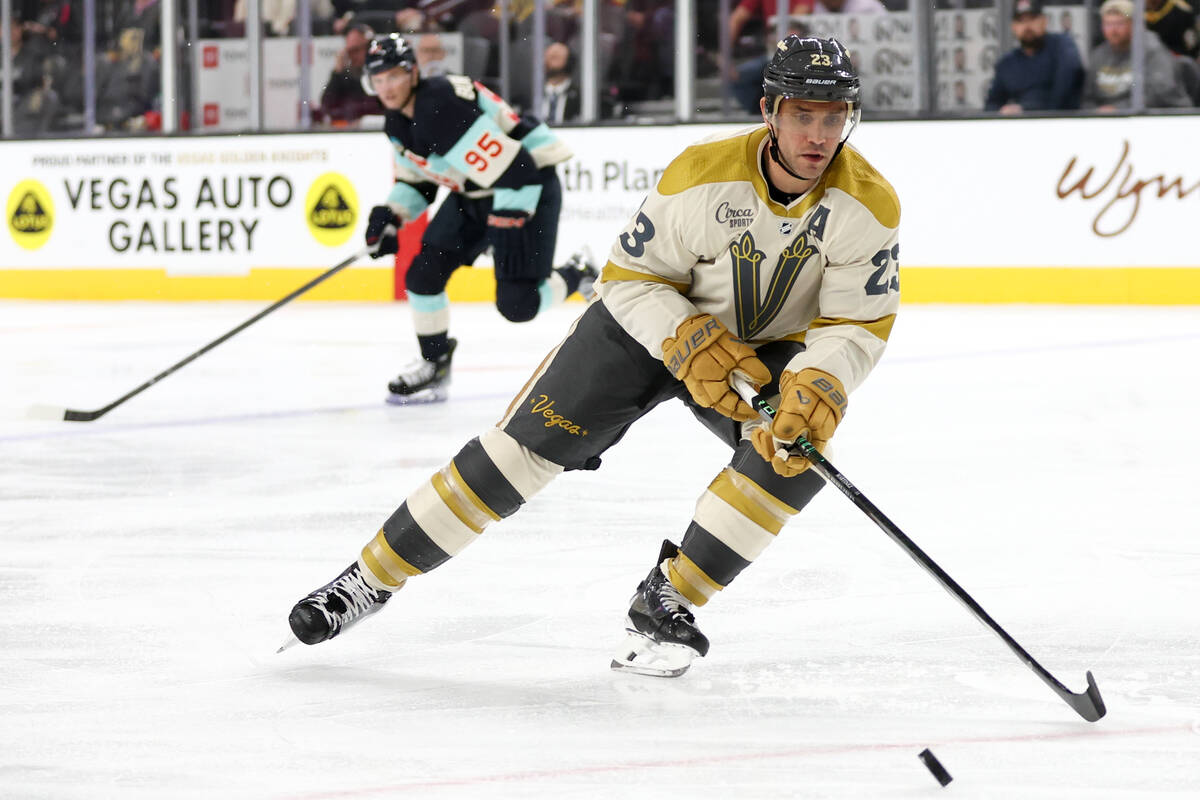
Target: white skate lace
[672, 599]
[418, 372]
[356, 594]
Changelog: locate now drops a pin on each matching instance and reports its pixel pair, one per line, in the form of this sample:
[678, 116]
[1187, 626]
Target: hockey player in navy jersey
[504, 193]
[771, 254]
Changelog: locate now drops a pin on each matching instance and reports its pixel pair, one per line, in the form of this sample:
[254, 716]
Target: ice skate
[423, 381]
[337, 605]
[662, 637]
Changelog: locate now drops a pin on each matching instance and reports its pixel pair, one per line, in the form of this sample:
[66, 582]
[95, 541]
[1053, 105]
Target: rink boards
[1047, 210]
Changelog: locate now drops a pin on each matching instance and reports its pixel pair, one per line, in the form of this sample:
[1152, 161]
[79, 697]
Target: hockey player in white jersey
[770, 253]
[504, 193]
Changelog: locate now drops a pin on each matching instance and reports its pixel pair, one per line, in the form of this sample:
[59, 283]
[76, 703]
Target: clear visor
[853, 114]
[391, 73]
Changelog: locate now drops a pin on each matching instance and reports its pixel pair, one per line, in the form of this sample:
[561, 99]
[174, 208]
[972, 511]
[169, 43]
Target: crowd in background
[48, 65]
[636, 52]
[1045, 71]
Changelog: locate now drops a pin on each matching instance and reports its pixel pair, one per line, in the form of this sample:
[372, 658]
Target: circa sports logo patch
[736, 217]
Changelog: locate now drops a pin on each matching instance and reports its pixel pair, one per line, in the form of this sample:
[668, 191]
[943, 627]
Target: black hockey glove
[509, 233]
[382, 226]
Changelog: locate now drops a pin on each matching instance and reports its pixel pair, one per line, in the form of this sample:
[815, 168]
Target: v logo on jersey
[753, 314]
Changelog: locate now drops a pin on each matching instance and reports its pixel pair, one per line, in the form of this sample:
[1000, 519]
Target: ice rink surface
[1044, 456]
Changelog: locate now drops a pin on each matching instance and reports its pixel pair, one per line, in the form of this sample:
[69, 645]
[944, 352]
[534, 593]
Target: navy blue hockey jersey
[465, 137]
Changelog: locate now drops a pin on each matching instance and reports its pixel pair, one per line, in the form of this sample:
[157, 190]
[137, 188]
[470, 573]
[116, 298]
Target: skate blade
[291, 641]
[641, 655]
[423, 397]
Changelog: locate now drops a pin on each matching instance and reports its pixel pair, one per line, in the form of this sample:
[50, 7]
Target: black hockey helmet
[811, 68]
[383, 53]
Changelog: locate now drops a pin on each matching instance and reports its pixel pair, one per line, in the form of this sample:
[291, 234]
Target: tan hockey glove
[702, 354]
[811, 404]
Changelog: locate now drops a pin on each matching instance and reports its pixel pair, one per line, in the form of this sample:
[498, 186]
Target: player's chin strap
[778, 158]
[777, 155]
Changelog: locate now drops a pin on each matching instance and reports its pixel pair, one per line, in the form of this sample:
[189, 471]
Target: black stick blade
[71, 415]
[1088, 704]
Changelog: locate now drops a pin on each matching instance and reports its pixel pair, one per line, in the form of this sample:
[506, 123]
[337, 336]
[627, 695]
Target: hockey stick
[41, 411]
[1087, 704]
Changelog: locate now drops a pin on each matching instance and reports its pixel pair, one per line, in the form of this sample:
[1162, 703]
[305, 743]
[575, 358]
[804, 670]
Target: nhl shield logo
[786, 227]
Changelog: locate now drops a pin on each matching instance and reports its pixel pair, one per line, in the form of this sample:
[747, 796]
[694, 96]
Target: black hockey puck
[935, 766]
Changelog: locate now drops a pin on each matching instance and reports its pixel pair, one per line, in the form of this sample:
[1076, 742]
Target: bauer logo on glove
[696, 341]
[812, 404]
[833, 393]
[703, 354]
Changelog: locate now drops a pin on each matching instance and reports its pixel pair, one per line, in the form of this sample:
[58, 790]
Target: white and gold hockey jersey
[823, 270]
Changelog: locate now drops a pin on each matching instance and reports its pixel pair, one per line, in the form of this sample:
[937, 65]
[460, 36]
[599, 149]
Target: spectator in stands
[1043, 73]
[279, 16]
[1109, 83]
[563, 19]
[560, 96]
[35, 102]
[403, 15]
[434, 16]
[761, 12]
[146, 16]
[759, 15]
[26, 60]
[1175, 23]
[431, 55]
[646, 60]
[745, 74]
[344, 100]
[410, 20]
[53, 22]
[127, 83]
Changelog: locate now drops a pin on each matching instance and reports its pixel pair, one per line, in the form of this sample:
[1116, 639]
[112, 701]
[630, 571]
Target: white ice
[1044, 456]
